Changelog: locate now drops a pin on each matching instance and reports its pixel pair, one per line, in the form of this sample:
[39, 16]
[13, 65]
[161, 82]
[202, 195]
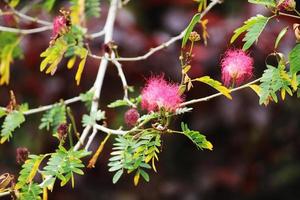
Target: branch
[109, 27]
[110, 131]
[163, 45]
[32, 19]
[217, 94]
[2, 194]
[25, 31]
[98, 34]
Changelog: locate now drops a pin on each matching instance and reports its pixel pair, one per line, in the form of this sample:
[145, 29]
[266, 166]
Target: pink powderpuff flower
[158, 93]
[59, 23]
[237, 66]
[288, 5]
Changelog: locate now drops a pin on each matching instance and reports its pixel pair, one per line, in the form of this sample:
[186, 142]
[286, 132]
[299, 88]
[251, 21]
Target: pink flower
[288, 5]
[237, 66]
[131, 116]
[59, 23]
[158, 93]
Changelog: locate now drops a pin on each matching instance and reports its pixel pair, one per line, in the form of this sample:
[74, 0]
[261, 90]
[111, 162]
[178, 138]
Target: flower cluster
[288, 5]
[59, 24]
[237, 66]
[158, 93]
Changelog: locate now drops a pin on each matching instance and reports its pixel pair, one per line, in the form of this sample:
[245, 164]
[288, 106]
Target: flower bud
[62, 131]
[131, 116]
[21, 155]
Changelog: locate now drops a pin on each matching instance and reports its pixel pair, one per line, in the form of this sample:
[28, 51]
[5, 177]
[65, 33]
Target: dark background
[256, 148]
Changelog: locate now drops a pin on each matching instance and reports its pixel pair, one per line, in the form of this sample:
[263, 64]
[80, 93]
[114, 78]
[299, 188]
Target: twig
[84, 134]
[25, 31]
[217, 94]
[91, 138]
[29, 18]
[288, 15]
[163, 45]
[110, 131]
[109, 27]
[95, 35]
[2, 194]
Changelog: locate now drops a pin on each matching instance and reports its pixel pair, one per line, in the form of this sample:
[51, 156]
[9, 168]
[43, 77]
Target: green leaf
[280, 36]
[271, 3]
[48, 4]
[87, 98]
[253, 28]
[14, 3]
[12, 121]
[2, 112]
[198, 139]
[64, 163]
[118, 103]
[53, 118]
[294, 59]
[29, 169]
[190, 28]
[93, 118]
[117, 176]
[31, 192]
[215, 84]
[92, 8]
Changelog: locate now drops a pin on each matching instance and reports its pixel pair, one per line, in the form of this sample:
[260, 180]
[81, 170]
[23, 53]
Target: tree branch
[217, 94]
[109, 27]
[25, 31]
[32, 19]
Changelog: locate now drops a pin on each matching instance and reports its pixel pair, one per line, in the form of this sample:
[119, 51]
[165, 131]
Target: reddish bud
[21, 155]
[131, 116]
[62, 131]
[59, 24]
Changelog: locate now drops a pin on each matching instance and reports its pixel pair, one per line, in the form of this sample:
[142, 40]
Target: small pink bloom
[237, 66]
[131, 116]
[59, 23]
[158, 93]
[288, 5]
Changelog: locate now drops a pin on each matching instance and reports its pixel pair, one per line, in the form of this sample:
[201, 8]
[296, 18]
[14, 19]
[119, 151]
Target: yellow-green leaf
[255, 88]
[71, 62]
[34, 170]
[136, 178]
[83, 56]
[215, 84]
[14, 3]
[280, 36]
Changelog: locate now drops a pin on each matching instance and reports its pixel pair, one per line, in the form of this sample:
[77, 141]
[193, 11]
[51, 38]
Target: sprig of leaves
[253, 28]
[53, 118]
[196, 137]
[271, 3]
[133, 154]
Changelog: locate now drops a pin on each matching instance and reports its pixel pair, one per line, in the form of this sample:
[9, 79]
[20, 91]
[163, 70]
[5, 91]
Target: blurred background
[256, 148]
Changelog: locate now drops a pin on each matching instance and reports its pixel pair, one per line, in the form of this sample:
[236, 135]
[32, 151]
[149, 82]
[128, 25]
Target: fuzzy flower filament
[158, 93]
[236, 66]
[59, 24]
[288, 5]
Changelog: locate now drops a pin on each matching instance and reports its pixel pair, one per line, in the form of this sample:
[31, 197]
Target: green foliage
[9, 50]
[93, 118]
[2, 112]
[190, 28]
[12, 121]
[118, 103]
[196, 137]
[294, 59]
[92, 8]
[63, 164]
[29, 170]
[87, 98]
[48, 4]
[202, 4]
[273, 80]
[271, 3]
[132, 154]
[53, 55]
[31, 192]
[215, 84]
[53, 118]
[253, 28]
[13, 3]
[280, 36]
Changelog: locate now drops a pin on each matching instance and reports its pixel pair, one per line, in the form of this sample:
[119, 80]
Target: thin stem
[217, 94]
[110, 131]
[163, 45]
[288, 15]
[25, 31]
[2, 194]
[29, 18]
[91, 138]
